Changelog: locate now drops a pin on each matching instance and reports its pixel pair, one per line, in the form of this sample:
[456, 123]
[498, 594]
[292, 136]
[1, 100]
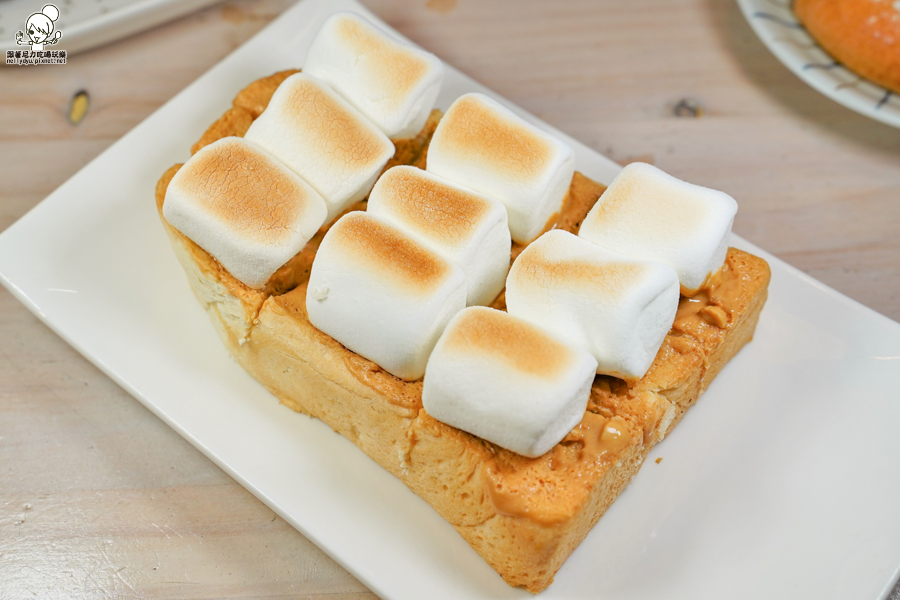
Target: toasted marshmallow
[382, 294]
[617, 308]
[244, 207]
[507, 381]
[323, 139]
[646, 213]
[485, 147]
[391, 82]
[466, 228]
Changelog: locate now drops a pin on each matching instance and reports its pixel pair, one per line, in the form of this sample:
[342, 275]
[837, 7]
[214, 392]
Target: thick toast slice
[523, 516]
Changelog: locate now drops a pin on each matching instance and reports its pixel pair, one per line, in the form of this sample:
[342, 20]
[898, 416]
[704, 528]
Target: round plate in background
[775, 24]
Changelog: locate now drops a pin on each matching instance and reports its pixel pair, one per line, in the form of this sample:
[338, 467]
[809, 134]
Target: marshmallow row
[322, 138]
[391, 82]
[466, 228]
[507, 381]
[312, 147]
[646, 213]
[382, 294]
[485, 147]
[244, 207]
[617, 308]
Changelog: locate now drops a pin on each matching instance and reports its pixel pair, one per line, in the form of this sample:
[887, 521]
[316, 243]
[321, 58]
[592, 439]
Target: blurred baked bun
[864, 35]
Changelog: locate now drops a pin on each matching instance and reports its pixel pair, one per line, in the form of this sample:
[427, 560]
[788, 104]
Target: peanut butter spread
[621, 417]
[541, 488]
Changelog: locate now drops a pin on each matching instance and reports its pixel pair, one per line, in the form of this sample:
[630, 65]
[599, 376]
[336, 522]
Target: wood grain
[100, 499]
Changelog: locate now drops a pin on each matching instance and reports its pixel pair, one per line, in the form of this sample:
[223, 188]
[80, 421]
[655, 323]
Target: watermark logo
[39, 32]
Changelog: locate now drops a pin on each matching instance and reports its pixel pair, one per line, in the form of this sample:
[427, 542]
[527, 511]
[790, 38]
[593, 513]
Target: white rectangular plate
[783, 482]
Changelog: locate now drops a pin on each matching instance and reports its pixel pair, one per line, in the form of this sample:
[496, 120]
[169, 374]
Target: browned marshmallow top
[246, 189]
[440, 211]
[634, 196]
[503, 337]
[348, 141]
[396, 257]
[397, 69]
[606, 279]
[473, 129]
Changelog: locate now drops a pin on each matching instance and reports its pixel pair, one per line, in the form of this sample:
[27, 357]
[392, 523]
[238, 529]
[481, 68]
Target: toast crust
[523, 516]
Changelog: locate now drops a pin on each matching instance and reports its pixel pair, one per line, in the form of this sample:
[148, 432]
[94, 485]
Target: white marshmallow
[646, 213]
[484, 146]
[244, 207]
[382, 294]
[507, 381]
[391, 82]
[466, 228]
[323, 139]
[617, 308]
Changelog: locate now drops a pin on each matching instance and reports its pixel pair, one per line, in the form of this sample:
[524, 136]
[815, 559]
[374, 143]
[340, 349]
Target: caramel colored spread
[255, 97]
[598, 438]
[712, 305]
[540, 488]
[611, 396]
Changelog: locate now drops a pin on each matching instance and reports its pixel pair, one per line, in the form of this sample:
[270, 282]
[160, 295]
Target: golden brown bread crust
[864, 35]
[523, 516]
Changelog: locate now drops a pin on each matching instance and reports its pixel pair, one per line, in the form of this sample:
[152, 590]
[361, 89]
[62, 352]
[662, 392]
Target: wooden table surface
[100, 499]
